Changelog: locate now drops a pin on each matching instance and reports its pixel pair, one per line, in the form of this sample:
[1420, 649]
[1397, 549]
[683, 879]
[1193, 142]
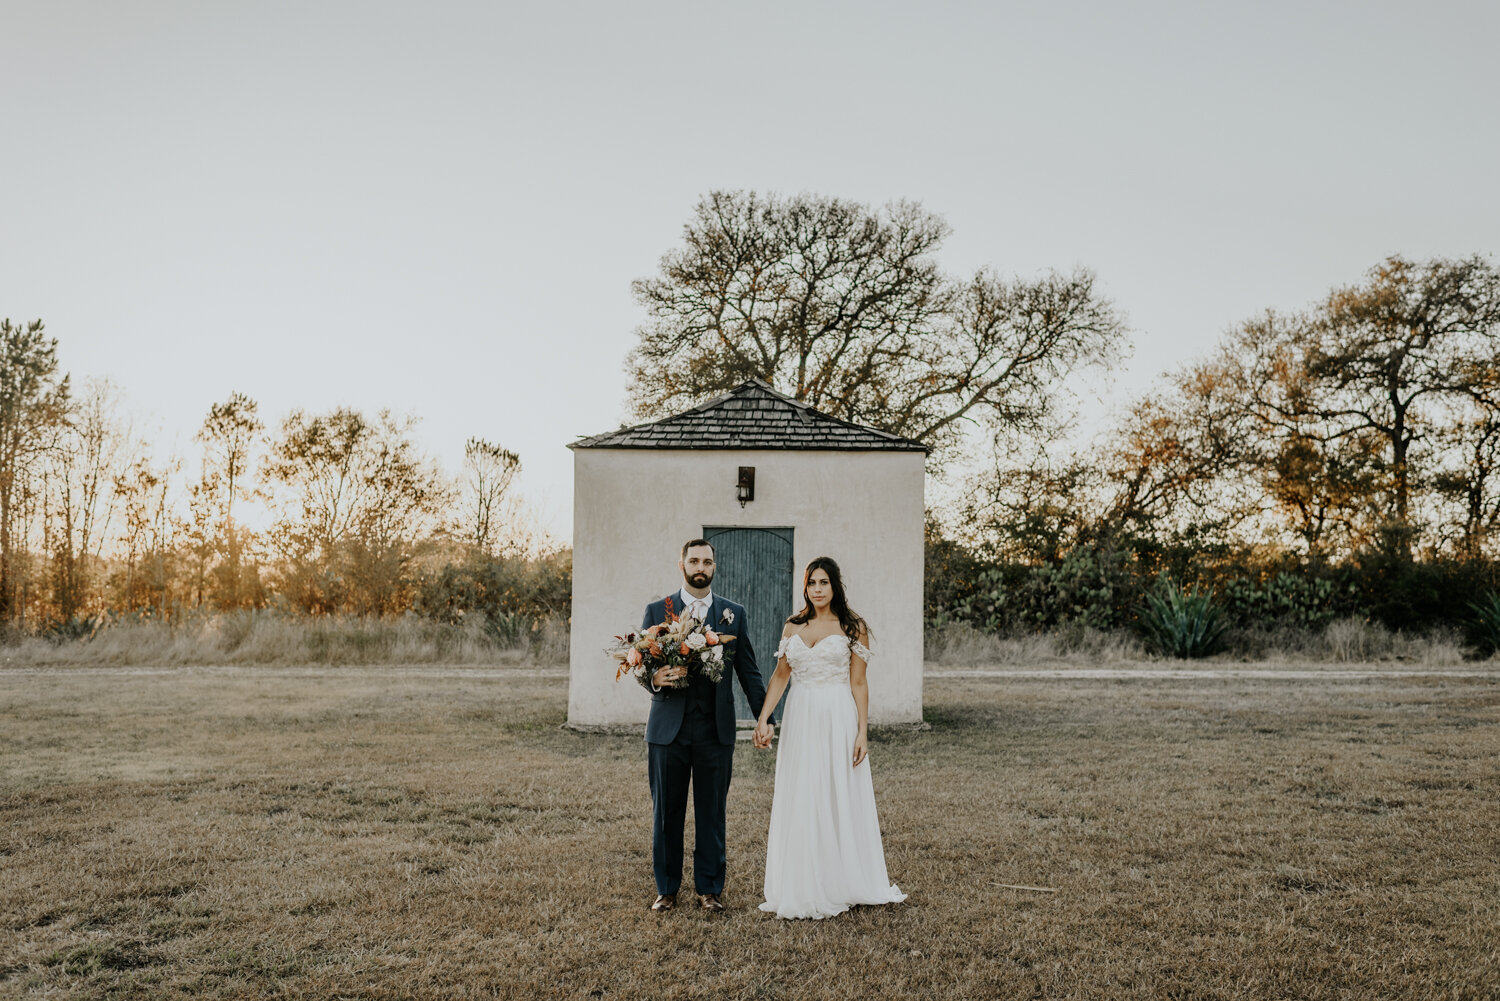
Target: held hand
[861, 749]
[667, 674]
[763, 734]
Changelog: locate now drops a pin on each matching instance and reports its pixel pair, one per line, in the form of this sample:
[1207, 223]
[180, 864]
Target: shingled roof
[753, 415]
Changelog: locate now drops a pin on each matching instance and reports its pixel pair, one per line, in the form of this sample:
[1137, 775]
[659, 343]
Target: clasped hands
[665, 675]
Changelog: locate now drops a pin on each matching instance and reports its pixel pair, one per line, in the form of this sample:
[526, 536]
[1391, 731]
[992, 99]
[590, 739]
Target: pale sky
[439, 207]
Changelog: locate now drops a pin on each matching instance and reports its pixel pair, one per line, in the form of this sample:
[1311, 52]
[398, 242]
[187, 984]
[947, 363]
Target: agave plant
[1183, 623]
[1487, 622]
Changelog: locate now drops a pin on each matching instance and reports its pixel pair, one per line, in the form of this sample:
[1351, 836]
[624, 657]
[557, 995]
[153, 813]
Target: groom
[690, 736]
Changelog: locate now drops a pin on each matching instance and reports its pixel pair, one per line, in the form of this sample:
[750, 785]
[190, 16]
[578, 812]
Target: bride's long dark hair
[851, 622]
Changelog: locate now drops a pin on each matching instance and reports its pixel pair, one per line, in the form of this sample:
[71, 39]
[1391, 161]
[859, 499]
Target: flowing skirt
[823, 851]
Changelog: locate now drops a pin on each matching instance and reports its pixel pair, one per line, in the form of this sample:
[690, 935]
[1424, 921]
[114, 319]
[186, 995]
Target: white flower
[729, 616]
[716, 652]
[695, 641]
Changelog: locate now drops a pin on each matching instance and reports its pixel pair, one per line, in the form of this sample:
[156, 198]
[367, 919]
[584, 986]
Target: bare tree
[142, 489]
[845, 308]
[1327, 492]
[199, 532]
[1470, 481]
[83, 469]
[487, 475]
[1031, 512]
[33, 406]
[356, 496]
[228, 435]
[1175, 461]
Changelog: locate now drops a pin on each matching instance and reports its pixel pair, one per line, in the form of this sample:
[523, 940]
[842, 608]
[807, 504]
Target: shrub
[983, 606]
[1415, 596]
[77, 627]
[1179, 623]
[1090, 587]
[1284, 600]
[507, 628]
[952, 574]
[510, 596]
[1486, 624]
[1355, 641]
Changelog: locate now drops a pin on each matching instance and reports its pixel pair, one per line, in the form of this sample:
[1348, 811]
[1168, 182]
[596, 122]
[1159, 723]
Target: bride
[823, 851]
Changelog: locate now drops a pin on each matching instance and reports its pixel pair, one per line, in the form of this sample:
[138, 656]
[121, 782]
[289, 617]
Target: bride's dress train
[823, 850]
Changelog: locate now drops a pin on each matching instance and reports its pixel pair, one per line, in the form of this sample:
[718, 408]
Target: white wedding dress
[823, 851]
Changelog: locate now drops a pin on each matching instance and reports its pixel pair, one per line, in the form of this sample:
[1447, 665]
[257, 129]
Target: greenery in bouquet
[679, 642]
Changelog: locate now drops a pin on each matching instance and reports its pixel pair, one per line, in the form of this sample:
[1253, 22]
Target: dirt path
[310, 671]
[1246, 672]
[1257, 673]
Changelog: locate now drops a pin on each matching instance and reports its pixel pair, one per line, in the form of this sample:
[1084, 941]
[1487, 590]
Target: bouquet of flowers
[678, 642]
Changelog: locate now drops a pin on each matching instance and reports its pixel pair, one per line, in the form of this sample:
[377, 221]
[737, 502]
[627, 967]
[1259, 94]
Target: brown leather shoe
[665, 902]
[711, 902]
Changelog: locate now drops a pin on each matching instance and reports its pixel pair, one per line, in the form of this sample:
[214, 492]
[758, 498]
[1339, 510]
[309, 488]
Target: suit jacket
[669, 704]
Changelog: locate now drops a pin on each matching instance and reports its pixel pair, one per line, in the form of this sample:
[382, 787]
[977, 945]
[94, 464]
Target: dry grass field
[238, 832]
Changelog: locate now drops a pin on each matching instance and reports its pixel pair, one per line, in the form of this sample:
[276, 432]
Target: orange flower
[685, 650]
[711, 636]
[633, 657]
[655, 649]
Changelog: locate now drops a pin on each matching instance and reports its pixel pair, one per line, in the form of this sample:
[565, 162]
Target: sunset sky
[439, 207]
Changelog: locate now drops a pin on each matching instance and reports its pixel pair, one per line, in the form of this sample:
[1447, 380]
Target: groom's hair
[697, 542]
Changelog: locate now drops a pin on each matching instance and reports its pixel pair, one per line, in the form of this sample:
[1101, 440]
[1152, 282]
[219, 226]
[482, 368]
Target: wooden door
[754, 568]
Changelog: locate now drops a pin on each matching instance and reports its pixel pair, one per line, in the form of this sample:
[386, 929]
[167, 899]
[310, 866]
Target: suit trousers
[695, 757]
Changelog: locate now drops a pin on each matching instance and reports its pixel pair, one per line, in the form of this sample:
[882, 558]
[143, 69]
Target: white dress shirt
[694, 607]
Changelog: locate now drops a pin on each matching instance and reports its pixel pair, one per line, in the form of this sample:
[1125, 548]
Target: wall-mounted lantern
[745, 489]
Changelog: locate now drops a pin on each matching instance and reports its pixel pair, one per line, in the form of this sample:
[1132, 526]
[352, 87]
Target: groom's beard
[699, 579]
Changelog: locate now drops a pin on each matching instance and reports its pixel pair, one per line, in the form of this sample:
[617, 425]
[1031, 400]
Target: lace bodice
[826, 662]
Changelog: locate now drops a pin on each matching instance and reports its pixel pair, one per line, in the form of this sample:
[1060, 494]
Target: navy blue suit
[690, 740]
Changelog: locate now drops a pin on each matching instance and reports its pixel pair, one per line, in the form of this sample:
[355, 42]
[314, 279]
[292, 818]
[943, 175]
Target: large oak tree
[1381, 364]
[845, 307]
[1353, 422]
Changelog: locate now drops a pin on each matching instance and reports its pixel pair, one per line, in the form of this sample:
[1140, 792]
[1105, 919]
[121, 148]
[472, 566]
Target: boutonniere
[728, 616]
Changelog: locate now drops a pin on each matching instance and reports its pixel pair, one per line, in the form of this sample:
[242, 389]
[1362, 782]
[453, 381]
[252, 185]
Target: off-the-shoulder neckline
[798, 636]
[819, 639]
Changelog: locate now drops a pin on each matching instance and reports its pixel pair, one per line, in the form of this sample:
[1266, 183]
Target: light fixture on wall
[745, 489]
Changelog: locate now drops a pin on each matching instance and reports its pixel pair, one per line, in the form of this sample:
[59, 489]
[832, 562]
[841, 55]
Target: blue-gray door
[754, 568]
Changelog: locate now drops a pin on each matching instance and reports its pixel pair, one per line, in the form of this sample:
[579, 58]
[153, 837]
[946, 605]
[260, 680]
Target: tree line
[1343, 458]
[353, 517]
[1339, 459]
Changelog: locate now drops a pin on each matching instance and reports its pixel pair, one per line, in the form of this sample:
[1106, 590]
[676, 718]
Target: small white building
[772, 483]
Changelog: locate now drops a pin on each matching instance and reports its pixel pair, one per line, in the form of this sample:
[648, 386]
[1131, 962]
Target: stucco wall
[634, 508]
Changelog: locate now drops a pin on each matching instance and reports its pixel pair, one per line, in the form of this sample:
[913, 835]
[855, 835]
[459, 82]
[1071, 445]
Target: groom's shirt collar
[687, 601]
